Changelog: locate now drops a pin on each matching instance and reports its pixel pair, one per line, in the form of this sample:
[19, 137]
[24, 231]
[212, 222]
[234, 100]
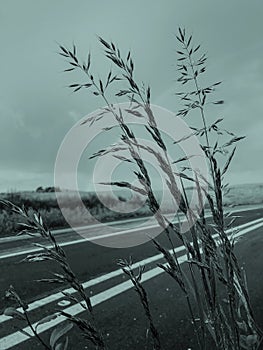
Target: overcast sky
[37, 109]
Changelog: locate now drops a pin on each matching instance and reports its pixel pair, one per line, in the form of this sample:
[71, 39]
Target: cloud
[37, 109]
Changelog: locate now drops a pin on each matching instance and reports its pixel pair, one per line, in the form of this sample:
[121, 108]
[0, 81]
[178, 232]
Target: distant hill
[237, 195]
[245, 194]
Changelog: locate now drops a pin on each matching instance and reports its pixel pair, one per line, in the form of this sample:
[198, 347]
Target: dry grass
[212, 265]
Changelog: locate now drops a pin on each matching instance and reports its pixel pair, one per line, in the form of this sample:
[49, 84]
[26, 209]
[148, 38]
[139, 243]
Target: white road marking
[17, 337]
[83, 228]
[53, 297]
[64, 302]
[78, 241]
[19, 252]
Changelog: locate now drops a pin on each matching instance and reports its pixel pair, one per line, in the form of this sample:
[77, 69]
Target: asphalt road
[116, 306]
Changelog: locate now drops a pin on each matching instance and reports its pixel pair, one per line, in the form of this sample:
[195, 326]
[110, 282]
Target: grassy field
[46, 204]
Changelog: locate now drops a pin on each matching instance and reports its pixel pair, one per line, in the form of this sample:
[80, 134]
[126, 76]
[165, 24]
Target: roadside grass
[47, 206]
[214, 288]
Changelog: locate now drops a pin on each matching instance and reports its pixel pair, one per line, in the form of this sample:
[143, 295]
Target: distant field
[121, 206]
[245, 194]
[46, 204]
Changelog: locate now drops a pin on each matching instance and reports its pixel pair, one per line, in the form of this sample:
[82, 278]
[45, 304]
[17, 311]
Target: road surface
[116, 305]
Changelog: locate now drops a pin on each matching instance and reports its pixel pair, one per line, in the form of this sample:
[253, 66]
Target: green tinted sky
[36, 109]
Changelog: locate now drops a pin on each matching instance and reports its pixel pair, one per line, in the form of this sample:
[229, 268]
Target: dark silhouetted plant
[213, 283]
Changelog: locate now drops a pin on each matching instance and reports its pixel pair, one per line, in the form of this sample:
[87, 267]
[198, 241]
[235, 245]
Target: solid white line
[53, 297]
[83, 228]
[92, 238]
[116, 222]
[17, 337]
[78, 241]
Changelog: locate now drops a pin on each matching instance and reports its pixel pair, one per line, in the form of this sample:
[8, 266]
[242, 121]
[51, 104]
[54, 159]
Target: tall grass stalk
[212, 281]
[230, 327]
[34, 226]
[136, 281]
[213, 266]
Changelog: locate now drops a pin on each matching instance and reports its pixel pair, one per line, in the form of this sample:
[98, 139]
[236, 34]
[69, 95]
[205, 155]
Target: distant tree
[40, 189]
[49, 189]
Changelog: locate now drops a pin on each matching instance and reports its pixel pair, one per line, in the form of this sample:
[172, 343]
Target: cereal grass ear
[226, 166]
[212, 282]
